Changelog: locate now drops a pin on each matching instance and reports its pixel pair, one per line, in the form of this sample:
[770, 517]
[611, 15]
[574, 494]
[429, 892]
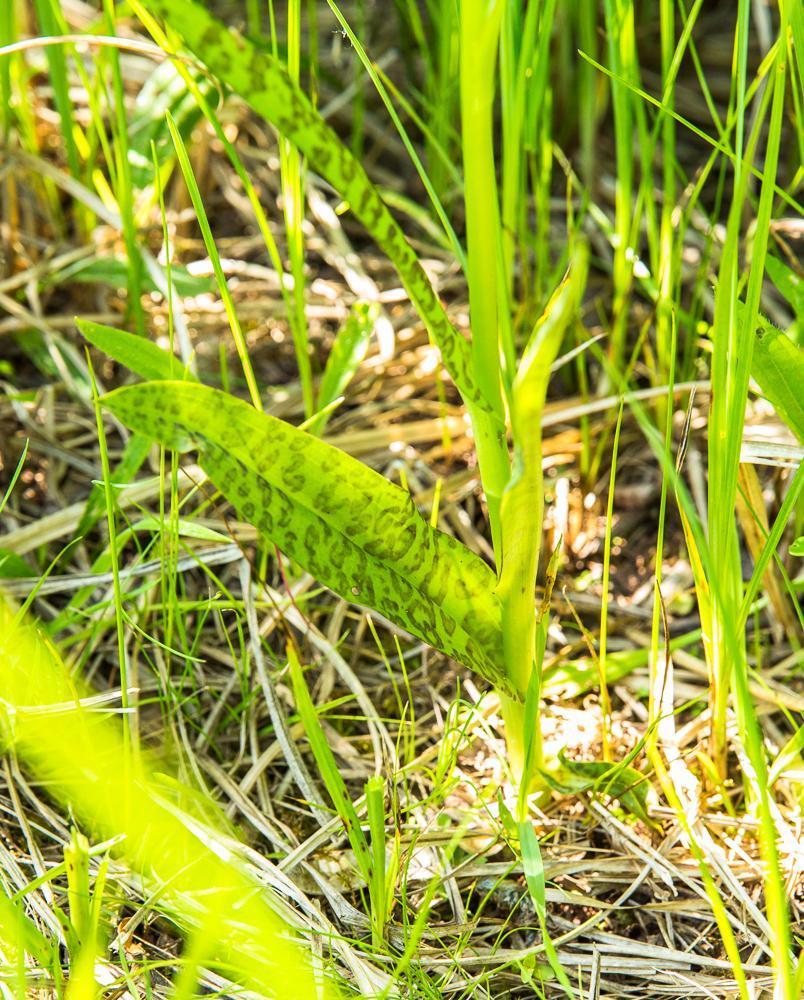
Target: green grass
[536, 179]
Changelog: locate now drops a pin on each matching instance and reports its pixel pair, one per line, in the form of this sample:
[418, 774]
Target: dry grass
[627, 910]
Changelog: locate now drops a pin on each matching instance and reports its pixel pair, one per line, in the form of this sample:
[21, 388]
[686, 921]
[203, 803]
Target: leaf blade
[345, 357]
[778, 367]
[356, 532]
[142, 356]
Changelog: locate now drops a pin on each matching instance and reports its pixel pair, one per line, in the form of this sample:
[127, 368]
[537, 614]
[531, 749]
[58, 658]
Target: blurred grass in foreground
[80, 754]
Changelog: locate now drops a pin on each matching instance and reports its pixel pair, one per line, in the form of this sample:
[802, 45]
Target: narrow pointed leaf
[142, 356]
[348, 350]
[356, 532]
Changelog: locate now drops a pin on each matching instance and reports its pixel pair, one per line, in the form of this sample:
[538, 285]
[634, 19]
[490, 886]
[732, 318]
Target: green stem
[492, 457]
[523, 506]
[480, 29]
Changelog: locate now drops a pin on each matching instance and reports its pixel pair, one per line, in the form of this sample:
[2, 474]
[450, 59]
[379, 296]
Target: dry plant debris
[187, 633]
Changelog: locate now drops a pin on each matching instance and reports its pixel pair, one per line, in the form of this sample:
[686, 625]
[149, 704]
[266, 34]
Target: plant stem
[480, 29]
[523, 502]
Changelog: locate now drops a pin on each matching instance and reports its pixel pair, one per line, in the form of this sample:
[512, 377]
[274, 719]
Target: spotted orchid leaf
[356, 532]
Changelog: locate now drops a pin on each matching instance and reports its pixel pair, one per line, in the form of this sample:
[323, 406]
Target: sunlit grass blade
[385, 88]
[381, 892]
[131, 729]
[620, 32]
[605, 700]
[79, 754]
[212, 250]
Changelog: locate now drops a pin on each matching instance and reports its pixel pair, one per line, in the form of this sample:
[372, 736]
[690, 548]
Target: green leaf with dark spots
[357, 533]
[617, 780]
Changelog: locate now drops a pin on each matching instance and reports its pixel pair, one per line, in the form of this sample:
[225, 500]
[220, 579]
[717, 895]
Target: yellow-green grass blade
[81, 757]
[441, 163]
[292, 170]
[356, 532]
